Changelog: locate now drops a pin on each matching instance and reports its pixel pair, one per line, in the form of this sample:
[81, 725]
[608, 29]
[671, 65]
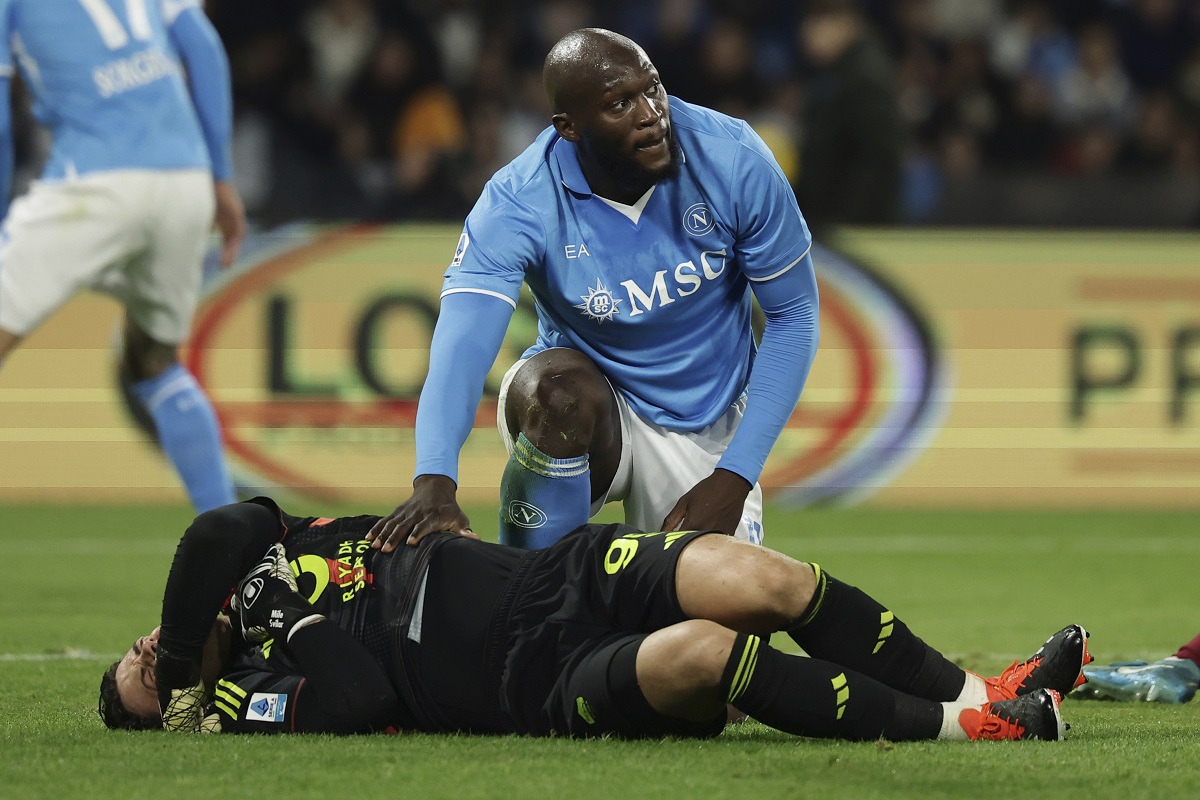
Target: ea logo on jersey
[461, 249]
[525, 515]
[698, 220]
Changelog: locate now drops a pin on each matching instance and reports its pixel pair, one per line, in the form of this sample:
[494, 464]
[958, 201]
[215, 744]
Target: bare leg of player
[742, 586]
[759, 591]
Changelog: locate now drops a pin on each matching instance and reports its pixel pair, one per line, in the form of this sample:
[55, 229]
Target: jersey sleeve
[774, 244]
[200, 47]
[329, 683]
[468, 335]
[7, 68]
[772, 236]
[501, 240]
[215, 552]
[172, 9]
[789, 344]
[250, 701]
[7, 73]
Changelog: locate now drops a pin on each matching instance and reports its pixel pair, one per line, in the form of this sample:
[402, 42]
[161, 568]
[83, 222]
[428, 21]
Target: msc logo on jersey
[698, 220]
[599, 303]
[525, 515]
[460, 250]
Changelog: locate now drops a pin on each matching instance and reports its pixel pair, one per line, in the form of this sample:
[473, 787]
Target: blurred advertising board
[956, 368]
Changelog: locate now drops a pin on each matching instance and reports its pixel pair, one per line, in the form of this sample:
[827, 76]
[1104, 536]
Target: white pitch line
[66, 655]
[82, 546]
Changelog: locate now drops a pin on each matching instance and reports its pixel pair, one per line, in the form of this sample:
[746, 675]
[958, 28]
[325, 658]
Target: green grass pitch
[985, 587]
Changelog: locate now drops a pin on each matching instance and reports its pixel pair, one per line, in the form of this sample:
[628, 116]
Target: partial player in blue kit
[644, 226]
[1173, 679]
[136, 95]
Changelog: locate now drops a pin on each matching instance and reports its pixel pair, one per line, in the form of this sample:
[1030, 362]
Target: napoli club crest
[698, 219]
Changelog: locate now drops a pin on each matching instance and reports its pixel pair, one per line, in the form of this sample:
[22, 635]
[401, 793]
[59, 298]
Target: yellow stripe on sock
[842, 689]
[745, 668]
[814, 605]
[886, 620]
[749, 662]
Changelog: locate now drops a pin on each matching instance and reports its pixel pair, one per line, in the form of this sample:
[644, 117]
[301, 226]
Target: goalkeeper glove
[180, 692]
[267, 601]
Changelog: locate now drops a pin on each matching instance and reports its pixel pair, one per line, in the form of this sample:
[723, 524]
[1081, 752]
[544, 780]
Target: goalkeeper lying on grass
[276, 624]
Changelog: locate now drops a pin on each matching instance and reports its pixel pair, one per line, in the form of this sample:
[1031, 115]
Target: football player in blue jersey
[644, 227]
[139, 170]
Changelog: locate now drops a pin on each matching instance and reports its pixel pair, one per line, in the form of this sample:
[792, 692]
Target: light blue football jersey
[661, 305]
[105, 81]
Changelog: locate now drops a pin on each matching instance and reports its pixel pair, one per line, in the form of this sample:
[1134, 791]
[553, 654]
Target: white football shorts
[658, 466]
[137, 235]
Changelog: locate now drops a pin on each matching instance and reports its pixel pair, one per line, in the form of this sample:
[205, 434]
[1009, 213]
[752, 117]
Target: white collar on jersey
[633, 212]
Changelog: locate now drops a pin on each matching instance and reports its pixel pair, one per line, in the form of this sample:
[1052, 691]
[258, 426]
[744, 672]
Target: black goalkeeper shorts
[545, 642]
[579, 612]
[442, 649]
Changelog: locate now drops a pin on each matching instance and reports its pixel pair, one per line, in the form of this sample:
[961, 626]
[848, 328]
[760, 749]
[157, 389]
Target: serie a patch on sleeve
[266, 707]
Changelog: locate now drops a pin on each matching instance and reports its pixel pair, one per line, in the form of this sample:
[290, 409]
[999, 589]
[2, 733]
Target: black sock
[811, 697]
[844, 625]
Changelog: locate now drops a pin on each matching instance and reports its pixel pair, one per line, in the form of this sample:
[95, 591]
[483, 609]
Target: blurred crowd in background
[1071, 112]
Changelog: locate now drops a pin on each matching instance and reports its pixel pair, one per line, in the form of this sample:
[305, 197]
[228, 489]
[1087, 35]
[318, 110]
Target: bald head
[581, 62]
[608, 101]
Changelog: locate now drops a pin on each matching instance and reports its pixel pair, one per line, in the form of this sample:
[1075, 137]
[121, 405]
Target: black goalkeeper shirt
[365, 593]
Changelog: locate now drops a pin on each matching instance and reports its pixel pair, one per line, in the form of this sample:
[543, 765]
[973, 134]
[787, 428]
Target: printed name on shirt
[134, 72]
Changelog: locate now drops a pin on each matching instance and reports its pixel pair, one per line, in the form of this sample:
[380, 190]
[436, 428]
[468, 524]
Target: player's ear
[565, 127]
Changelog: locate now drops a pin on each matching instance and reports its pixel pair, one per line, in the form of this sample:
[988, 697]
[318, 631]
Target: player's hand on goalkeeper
[433, 507]
[713, 504]
[267, 601]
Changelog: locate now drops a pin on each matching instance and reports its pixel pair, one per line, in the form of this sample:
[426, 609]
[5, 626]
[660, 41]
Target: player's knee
[691, 656]
[557, 400]
[779, 588]
[145, 358]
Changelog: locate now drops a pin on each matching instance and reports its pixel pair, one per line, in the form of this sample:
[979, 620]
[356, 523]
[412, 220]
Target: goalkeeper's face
[135, 672]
